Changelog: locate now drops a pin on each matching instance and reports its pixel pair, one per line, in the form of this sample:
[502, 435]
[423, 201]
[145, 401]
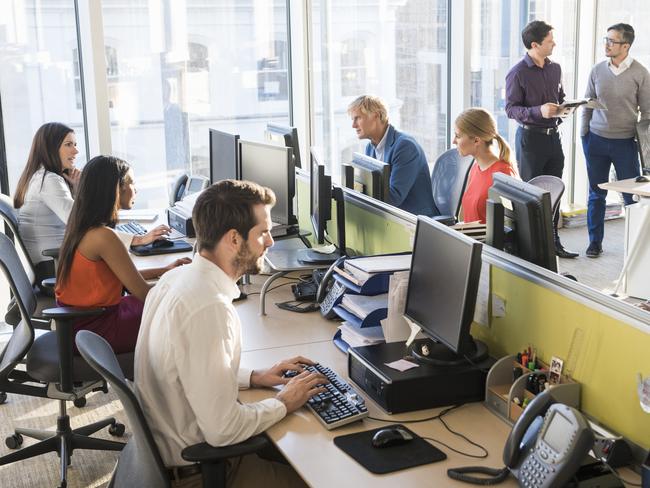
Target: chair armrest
[205, 453]
[49, 283]
[51, 253]
[445, 219]
[65, 313]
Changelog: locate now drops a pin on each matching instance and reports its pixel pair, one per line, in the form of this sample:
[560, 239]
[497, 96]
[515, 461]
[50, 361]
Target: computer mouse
[157, 244]
[391, 436]
[641, 179]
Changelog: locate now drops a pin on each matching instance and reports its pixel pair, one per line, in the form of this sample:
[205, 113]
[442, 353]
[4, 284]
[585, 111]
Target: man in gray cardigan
[622, 85]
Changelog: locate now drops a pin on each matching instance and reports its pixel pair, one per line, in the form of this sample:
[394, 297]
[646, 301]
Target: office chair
[643, 143]
[448, 181]
[140, 463]
[552, 184]
[50, 371]
[45, 298]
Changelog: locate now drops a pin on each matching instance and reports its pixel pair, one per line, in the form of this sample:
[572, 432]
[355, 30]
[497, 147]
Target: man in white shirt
[187, 372]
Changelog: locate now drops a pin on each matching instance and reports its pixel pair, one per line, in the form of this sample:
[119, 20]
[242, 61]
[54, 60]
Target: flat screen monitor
[320, 207]
[443, 284]
[371, 177]
[643, 140]
[519, 221]
[287, 136]
[224, 156]
[271, 166]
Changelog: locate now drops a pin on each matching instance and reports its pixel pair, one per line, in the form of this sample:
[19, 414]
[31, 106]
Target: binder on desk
[371, 320]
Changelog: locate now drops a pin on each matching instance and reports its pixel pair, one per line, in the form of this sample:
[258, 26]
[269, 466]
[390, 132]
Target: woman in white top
[44, 196]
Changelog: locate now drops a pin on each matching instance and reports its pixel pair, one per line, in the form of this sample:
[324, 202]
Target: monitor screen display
[286, 136]
[443, 283]
[224, 156]
[270, 166]
[371, 177]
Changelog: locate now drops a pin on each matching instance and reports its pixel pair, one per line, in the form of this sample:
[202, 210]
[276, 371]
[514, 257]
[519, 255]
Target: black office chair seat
[43, 362]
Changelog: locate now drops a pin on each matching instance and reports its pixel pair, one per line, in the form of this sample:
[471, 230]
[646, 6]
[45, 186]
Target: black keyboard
[131, 227]
[340, 404]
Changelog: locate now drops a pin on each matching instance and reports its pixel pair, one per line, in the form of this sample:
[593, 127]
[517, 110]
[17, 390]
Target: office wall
[609, 353]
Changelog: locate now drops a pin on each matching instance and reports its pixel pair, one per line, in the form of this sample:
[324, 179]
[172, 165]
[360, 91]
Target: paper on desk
[356, 337]
[395, 327]
[402, 365]
[482, 308]
[363, 305]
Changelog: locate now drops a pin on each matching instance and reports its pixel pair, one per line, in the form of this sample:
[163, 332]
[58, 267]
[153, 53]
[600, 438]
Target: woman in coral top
[475, 135]
[94, 266]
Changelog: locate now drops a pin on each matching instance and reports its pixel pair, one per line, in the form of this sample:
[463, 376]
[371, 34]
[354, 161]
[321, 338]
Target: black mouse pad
[149, 250]
[388, 459]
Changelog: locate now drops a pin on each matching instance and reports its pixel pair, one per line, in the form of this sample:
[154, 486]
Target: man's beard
[245, 262]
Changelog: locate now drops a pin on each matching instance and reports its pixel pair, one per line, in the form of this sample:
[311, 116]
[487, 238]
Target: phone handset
[330, 290]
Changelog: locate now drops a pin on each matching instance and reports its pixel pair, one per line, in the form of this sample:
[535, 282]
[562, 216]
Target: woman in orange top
[94, 266]
[475, 132]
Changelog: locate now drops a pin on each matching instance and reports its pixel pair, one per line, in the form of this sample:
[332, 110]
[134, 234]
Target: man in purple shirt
[534, 93]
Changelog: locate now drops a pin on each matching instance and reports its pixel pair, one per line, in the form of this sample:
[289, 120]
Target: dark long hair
[95, 205]
[45, 153]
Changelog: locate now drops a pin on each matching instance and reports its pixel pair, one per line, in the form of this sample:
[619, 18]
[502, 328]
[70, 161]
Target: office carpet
[88, 468]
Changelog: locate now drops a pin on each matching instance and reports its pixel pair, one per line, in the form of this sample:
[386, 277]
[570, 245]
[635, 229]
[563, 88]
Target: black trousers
[539, 154]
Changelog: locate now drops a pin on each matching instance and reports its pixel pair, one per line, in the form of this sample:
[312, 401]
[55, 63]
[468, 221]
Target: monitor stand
[431, 352]
[311, 256]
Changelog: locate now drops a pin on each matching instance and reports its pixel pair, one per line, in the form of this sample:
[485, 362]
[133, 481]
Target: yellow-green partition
[609, 352]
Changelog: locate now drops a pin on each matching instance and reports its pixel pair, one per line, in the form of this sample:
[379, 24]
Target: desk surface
[309, 448]
[628, 186]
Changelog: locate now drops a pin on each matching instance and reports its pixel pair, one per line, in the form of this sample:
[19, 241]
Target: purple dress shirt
[528, 87]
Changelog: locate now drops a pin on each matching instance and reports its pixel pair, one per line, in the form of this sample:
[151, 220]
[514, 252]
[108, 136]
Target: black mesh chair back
[643, 142]
[17, 278]
[140, 463]
[10, 217]
[448, 180]
[552, 184]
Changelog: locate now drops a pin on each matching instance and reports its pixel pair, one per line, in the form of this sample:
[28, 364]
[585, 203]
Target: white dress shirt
[622, 66]
[45, 211]
[187, 373]
[380, 148]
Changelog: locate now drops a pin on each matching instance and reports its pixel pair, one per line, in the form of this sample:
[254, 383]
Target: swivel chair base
[64, 441]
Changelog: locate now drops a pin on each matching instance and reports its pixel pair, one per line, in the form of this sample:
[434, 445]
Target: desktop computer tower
[426, 386]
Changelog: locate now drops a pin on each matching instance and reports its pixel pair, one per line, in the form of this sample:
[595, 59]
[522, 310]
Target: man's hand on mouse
[301, 388]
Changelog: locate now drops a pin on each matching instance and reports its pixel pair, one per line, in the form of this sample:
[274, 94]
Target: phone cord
[462, 474]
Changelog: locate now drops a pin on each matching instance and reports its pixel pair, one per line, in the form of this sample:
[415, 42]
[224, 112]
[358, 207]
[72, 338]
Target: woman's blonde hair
[478, 122]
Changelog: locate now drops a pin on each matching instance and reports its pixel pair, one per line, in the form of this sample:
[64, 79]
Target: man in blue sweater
[410, 181]
[622, 85]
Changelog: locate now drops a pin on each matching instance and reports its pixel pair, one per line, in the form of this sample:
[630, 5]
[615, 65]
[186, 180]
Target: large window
[38, 41]
[188, 66]
[394, 49]
[496, 46]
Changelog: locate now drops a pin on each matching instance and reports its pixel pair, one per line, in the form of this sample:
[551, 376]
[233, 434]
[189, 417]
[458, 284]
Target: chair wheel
[3, 397]
[14, 441]
[80, 402]
[117, 429]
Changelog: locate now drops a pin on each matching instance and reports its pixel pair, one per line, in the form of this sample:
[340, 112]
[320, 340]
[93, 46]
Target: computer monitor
[443, 283]
[224, 156]
[287, 136]
[320, 206]
[371, 177]
[519, 221]
[271, 166]
[643, 140]
[321, 194]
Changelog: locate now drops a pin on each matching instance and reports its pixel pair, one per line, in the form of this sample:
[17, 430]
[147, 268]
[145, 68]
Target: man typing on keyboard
[187, 372]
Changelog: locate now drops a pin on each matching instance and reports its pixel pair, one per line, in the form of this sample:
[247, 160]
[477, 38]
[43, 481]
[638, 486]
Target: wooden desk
[309, 448]
[628, 186]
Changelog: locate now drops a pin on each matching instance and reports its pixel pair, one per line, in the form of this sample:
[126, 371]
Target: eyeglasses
[611, 42]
